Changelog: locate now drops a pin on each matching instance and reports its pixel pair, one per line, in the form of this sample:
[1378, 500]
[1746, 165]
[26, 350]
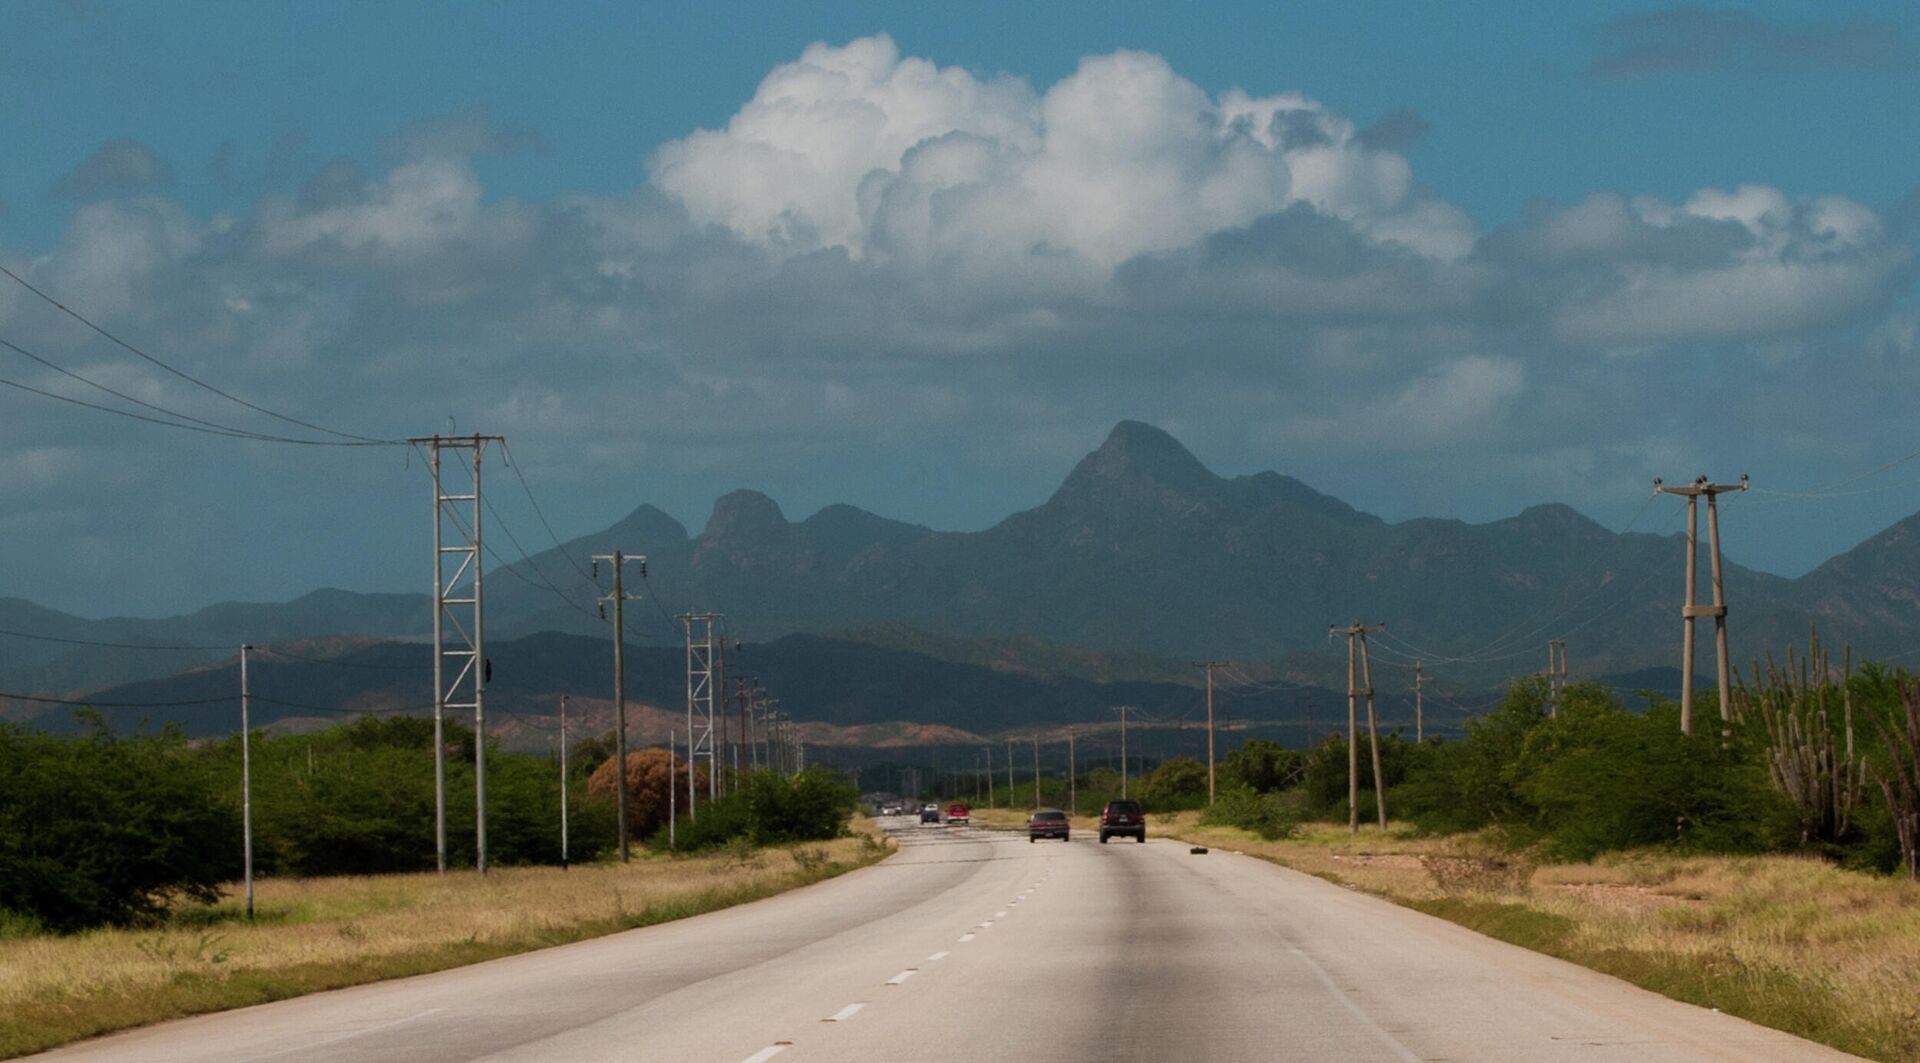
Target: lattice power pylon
[459, 629]
[700, 694]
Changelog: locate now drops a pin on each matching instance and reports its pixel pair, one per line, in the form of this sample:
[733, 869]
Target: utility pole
[989, 749]
[1419, 703]
[619, 561]
[1689, 612]
[246, 779]
[1123, 750]
[673, 799]
[563, 782]
[458, 592]
[746, 736]
[1556, 674]
[1209, 666]
[1072, 770]
[1009, 774]
[1357, 638]
[1036, 773]
[719, 696]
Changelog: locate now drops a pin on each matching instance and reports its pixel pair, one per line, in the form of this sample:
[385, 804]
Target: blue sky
[1558, 251]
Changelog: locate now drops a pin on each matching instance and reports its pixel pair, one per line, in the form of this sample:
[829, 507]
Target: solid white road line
[765, 1054]
[903, 976]
[845, 1013]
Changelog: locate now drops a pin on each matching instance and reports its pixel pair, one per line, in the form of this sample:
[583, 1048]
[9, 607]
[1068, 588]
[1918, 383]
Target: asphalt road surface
[971, 945]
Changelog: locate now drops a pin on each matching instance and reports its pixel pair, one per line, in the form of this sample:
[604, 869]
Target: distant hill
[1141, 561]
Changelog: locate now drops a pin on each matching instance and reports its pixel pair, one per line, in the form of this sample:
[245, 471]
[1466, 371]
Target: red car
[959, 812]
[1048, 823]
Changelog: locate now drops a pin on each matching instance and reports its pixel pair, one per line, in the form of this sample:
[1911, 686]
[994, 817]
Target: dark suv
[1123, 818]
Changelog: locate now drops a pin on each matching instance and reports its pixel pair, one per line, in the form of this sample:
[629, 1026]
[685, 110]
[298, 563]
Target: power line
[538, 512]
[112, 645]
[90, 703]
[196, 381]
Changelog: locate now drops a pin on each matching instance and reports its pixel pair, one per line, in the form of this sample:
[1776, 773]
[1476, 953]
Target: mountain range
[1142, 560]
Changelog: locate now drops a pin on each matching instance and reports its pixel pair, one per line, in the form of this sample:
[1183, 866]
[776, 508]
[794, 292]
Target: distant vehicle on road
[1123, 818]
[959, 812]
[1048, 823]
[929, 813]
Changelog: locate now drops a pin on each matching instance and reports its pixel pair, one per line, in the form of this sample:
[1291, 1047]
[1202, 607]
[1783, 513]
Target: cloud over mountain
[931, 283]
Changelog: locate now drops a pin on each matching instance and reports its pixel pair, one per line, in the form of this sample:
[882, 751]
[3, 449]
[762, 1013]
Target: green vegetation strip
[39, 1025]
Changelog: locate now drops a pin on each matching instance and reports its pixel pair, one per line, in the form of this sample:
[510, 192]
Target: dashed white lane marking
[938, 955]
[765, 1054]
[1000, 915]
[988, 923]
[968, 936]
[903, 976]
[845, 1013]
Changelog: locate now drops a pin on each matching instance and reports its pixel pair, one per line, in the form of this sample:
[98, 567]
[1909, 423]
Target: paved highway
[970, 945]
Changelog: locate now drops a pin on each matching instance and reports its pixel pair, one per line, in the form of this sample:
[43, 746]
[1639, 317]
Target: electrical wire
[540, 513]
[196, 381]
[90, 703]
[113, 645]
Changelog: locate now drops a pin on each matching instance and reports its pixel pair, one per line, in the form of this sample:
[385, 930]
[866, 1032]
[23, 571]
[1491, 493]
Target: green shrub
[1272, 816]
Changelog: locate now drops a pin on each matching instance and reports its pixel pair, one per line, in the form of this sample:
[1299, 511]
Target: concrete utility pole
[246, 780]
[563, 782]
[619, 561]
[1419, 702]
[455, 593]
[1009, 774]
[1209, 666]
[1123, 750]
[1690, 611]
[1072, 770]
[1036, 773]
[673, 799]
[1357, 637]
[740, 748]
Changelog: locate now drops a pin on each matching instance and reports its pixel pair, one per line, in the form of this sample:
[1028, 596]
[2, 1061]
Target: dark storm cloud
[1687, 39]
[117, 168]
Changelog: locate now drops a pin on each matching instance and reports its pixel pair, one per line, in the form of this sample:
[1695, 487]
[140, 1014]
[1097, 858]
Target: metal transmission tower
[1556, 674]
[1357, 637]
[700, 680]
[619, 597]
[1691, 611]
[459, 630]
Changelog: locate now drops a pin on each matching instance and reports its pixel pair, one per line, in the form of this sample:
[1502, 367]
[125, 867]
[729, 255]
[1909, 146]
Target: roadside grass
[1788, 942]
[328, 933]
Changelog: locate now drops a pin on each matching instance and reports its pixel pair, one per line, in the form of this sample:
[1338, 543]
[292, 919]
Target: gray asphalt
[971, 945]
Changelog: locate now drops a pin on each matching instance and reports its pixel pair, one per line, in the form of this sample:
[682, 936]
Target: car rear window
[1050, 815]
[1131, 808]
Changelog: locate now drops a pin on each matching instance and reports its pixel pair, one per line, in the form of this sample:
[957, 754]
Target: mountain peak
[1135, 452]
[745, 514]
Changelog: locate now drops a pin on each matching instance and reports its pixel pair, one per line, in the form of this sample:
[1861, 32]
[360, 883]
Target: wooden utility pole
[1209, 666]
[989, 749]
[1689, 612]
[1009, 774]
[1419, 702]
[619, 560]
[1357, 640]
[1123, 751]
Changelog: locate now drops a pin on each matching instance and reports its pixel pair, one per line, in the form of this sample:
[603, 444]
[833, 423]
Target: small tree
[649, 773]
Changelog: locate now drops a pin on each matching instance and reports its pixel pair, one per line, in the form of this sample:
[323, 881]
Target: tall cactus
[1899, 779]
[1819, 772]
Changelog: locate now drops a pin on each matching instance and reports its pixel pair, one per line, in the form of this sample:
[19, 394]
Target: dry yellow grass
[1791, 942]
[324, 933]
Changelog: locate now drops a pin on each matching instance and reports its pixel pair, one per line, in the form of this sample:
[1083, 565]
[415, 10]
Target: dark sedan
[1047, 823]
